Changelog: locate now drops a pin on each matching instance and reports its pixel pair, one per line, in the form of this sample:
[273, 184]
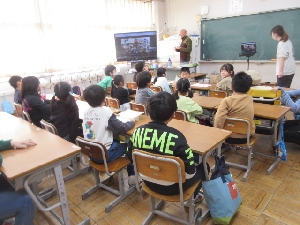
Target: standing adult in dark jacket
[185, 47]
[64, 112]
[32, 101]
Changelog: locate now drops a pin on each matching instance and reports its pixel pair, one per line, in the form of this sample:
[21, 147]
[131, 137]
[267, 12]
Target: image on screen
[136, 46]
[248, 47]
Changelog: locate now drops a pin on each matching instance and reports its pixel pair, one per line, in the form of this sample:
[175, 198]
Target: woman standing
[285, 65]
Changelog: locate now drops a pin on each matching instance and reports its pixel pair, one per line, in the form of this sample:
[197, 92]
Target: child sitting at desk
[287, 100]
[64, 112]
[143, 82]
[118, 91]
[161, 108]
[100, 124]
[183, 96]
[227, 74]
[32, 101]
[161, 80]
[13, 203]
[110, 71]
[184, 73]
[239, 105]
[16, 82]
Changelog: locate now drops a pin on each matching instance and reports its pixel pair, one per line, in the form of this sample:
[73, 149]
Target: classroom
[49, 47]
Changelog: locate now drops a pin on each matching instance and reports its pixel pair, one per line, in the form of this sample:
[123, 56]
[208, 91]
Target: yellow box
[267, 93]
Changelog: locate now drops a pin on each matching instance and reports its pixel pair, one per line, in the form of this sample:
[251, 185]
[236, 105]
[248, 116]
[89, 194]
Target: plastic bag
[280, 149]
[6, 106]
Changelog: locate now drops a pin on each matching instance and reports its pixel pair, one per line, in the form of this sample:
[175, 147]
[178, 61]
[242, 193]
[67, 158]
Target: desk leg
[62, 194]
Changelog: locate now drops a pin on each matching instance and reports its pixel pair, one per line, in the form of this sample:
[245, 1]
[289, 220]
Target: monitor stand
[248, 55]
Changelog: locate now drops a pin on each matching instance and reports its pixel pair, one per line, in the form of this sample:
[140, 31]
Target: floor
[267, 199]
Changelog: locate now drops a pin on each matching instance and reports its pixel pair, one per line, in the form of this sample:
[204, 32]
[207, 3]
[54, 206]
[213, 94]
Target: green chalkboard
[221, 38]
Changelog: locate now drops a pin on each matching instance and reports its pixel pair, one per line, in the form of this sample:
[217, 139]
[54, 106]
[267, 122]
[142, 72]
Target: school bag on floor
[221, 193]
[292, 131]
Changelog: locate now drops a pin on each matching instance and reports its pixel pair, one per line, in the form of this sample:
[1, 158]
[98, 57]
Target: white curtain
[40, 36]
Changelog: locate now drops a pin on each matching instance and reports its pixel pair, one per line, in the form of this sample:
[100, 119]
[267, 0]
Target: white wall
[182, 14]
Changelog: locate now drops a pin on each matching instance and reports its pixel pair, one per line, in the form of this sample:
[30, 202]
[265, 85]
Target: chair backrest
[180, 115]
[138, 107]
[19, 109]
[159, 167]
[239, 126]
[132, 85]
[26, 116]
[49, 127]
[156, 88]
[217, 94]
[93, 149]
[113, 102]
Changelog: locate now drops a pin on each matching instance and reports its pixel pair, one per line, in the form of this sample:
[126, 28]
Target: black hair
[160, 72]
[229, 68]
[241, 82]
[13, 81]
[63, 91]
[115, 82]
[143, 79]
[279, 30]
[185, 69]
[139, 66]
[109, 69]
[94, 95]
[161, 106]
[183, 87]
[30, 85]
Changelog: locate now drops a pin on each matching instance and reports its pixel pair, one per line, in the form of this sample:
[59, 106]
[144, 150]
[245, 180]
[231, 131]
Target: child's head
[161, 72]
[62, 90]
[15, 81]
[118, 80]
[226, 70]
[143, 79]
[139, 66]
[183, 85]
[94, 95]
[30, 85]
[110, 70]
[185, 72]
[241, 82]
[161, 106]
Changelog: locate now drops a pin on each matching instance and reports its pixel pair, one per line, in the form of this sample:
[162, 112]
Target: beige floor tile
[284, 211]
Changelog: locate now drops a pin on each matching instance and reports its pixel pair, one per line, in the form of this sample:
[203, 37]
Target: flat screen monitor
[136, 46]
[248, 49]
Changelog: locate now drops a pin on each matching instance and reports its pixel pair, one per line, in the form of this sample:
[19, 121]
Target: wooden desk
[211, 87]
[24, 167]
[207, 102]
[198, 75]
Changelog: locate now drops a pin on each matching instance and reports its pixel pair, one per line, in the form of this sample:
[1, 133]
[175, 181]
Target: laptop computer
[248, 49]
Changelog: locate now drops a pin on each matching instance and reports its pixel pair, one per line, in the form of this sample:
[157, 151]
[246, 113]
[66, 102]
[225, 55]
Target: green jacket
[185, 50]
[106, 82]
[4, 145]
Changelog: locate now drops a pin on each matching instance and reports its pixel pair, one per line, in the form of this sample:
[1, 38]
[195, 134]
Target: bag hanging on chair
[6, 106]
[221, 193]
